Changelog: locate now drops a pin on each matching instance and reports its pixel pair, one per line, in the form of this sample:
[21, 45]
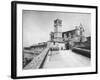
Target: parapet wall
[83, 52]
[37, 62]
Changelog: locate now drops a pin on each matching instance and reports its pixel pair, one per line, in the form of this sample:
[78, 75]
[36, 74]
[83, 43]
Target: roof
[71, 31]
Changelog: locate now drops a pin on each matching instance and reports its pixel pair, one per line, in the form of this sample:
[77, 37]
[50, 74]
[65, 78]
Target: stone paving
[66, 58]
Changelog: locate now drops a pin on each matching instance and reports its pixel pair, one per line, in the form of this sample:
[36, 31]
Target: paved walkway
[66, 58]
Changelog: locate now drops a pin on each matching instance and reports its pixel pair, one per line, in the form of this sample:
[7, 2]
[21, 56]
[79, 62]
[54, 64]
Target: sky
[37, 25]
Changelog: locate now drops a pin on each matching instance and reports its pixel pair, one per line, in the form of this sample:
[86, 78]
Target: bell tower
[58, 30]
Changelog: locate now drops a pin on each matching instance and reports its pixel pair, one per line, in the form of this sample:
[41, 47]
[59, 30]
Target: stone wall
[37, 61]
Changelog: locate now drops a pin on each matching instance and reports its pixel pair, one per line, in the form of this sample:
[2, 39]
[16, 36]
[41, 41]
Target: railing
[38, 61]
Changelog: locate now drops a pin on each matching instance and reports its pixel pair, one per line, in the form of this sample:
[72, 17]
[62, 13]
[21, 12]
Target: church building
[67, 39]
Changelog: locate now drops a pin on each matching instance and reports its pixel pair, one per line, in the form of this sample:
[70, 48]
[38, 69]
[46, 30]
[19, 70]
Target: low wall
[83, 52]
[37, 62]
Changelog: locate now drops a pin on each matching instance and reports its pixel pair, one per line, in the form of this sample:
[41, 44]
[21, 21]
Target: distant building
[39, 45]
